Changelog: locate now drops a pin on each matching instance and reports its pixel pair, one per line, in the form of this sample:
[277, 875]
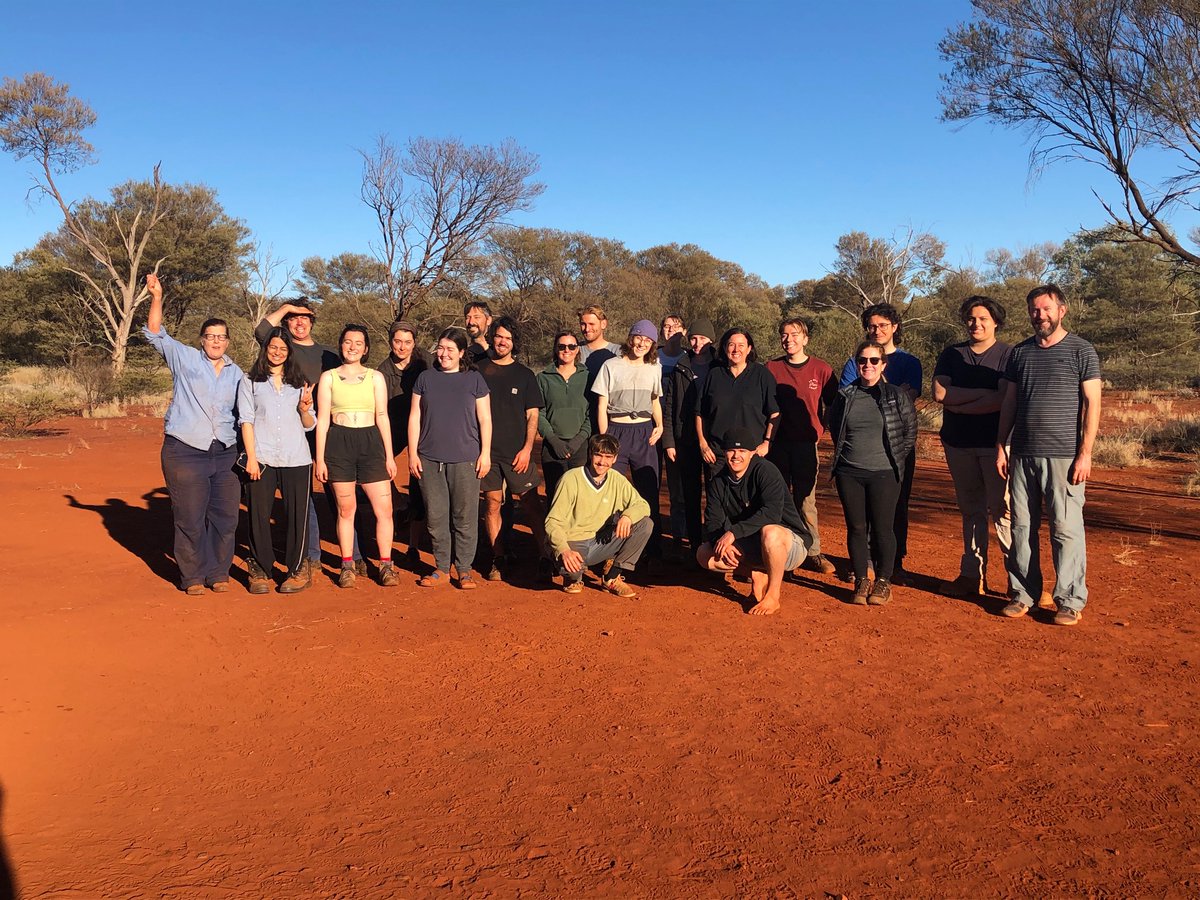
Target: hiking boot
[618, 587]
[1014, 609]
[1067, 616]
[494, 572]
[360, 567]
[260, 582]
[881, 593]
[966, 586]
[219, 587]
[862, 589]
[388, 576]
[349, 575]
[299, 580]
[436, 578]
[572, 586]
[818, 563]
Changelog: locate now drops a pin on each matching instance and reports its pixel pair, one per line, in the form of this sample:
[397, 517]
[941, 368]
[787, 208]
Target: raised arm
[155, 317]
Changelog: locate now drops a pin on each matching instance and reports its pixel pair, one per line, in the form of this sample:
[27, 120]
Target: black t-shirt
[746, 401]
[967, 369]
[514, 389]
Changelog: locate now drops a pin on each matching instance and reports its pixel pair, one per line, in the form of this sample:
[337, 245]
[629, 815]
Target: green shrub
[21, 413]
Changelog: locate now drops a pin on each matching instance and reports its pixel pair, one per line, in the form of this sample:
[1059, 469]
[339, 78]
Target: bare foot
[767, 605]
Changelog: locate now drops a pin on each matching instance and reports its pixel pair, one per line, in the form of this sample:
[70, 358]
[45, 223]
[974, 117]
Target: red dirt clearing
[517, 741]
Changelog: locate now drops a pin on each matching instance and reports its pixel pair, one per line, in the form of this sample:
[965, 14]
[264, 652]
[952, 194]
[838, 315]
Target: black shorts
[355, 455]
[501, 474]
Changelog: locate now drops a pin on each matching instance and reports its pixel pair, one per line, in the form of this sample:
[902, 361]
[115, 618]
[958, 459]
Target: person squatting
[427, 435]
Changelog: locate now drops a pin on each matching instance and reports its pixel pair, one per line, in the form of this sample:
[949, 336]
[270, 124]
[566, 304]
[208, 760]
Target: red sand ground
[516, 741]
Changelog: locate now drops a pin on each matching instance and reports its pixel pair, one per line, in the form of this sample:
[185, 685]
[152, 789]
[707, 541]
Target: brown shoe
[572, 586]
[299, 580]
[618, 587]
[881, 593]
[467, 582]
[348, 576]
[219, 587]
[818, 563]
[260, 583]
[194, 590]
[1067, 616]
[1014, 609]
[436, 578]
[862, 589]
[388, 576]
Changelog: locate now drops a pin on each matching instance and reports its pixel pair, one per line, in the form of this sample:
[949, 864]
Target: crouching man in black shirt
[750, 523]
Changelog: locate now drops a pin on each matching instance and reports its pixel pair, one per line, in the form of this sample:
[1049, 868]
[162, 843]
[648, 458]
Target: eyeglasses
[567, 347]
[869, 360]
[881, 326]
[215, 338]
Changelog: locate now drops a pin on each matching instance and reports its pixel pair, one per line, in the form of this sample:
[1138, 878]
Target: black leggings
[870, 498]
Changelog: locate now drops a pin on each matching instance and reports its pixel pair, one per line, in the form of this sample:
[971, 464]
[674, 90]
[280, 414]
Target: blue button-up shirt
[202, 406]
[278, 431]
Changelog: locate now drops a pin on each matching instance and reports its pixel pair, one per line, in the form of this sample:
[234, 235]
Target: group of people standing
[612, 419]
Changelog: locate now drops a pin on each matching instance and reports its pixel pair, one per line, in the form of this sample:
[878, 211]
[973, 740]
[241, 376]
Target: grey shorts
[751, 550]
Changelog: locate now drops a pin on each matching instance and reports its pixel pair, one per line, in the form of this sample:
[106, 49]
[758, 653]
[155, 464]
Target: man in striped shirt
[1051, 410]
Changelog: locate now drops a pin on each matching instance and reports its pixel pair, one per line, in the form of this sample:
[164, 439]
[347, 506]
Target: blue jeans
[205, 495]
[1037, 484]
[451, 493]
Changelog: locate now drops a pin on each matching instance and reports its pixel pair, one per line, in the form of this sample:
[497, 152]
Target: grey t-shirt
[630, 389]
[862, 444]
[1049, 400]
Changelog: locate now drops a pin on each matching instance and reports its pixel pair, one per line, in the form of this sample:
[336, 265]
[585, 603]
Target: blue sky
[760, 131]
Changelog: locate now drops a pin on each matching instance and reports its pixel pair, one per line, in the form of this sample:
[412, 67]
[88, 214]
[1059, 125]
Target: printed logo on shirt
[813, 384]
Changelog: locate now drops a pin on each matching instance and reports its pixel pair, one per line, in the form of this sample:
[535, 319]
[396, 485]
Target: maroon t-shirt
[804, 392]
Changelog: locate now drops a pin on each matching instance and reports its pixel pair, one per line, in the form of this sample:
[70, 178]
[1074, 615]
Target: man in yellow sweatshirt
[597, 516]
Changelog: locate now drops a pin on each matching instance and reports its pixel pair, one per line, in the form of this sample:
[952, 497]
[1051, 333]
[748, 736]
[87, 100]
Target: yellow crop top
[345, 396]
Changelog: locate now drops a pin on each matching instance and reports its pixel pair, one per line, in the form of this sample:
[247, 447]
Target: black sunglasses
[869, 360]
[568, 347]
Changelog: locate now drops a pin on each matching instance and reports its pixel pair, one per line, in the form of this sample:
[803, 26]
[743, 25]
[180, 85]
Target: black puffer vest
[899, 423]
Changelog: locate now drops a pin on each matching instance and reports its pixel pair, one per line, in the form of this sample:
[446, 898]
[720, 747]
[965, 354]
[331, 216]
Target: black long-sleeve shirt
[760, 497]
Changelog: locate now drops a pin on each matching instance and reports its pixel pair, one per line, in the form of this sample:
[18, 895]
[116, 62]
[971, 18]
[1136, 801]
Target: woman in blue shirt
[199, 448]
[274, 410]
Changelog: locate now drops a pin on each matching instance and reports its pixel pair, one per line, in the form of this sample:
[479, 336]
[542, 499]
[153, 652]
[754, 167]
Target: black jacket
[679, 401]
[899, 423]
[744, 507]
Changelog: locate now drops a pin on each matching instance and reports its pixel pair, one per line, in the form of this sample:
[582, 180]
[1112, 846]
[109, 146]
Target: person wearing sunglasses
[882, 324]
[874, 428]
[199, 448]
[564, 424]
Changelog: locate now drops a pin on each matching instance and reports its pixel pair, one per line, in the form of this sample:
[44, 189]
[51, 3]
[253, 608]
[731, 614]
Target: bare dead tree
[436, 203]
[1093, 80]
[264, 280]
[885, 270]
[40, 119]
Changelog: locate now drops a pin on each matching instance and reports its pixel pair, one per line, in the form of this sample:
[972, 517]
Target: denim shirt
[202, 404]
[278, 431]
